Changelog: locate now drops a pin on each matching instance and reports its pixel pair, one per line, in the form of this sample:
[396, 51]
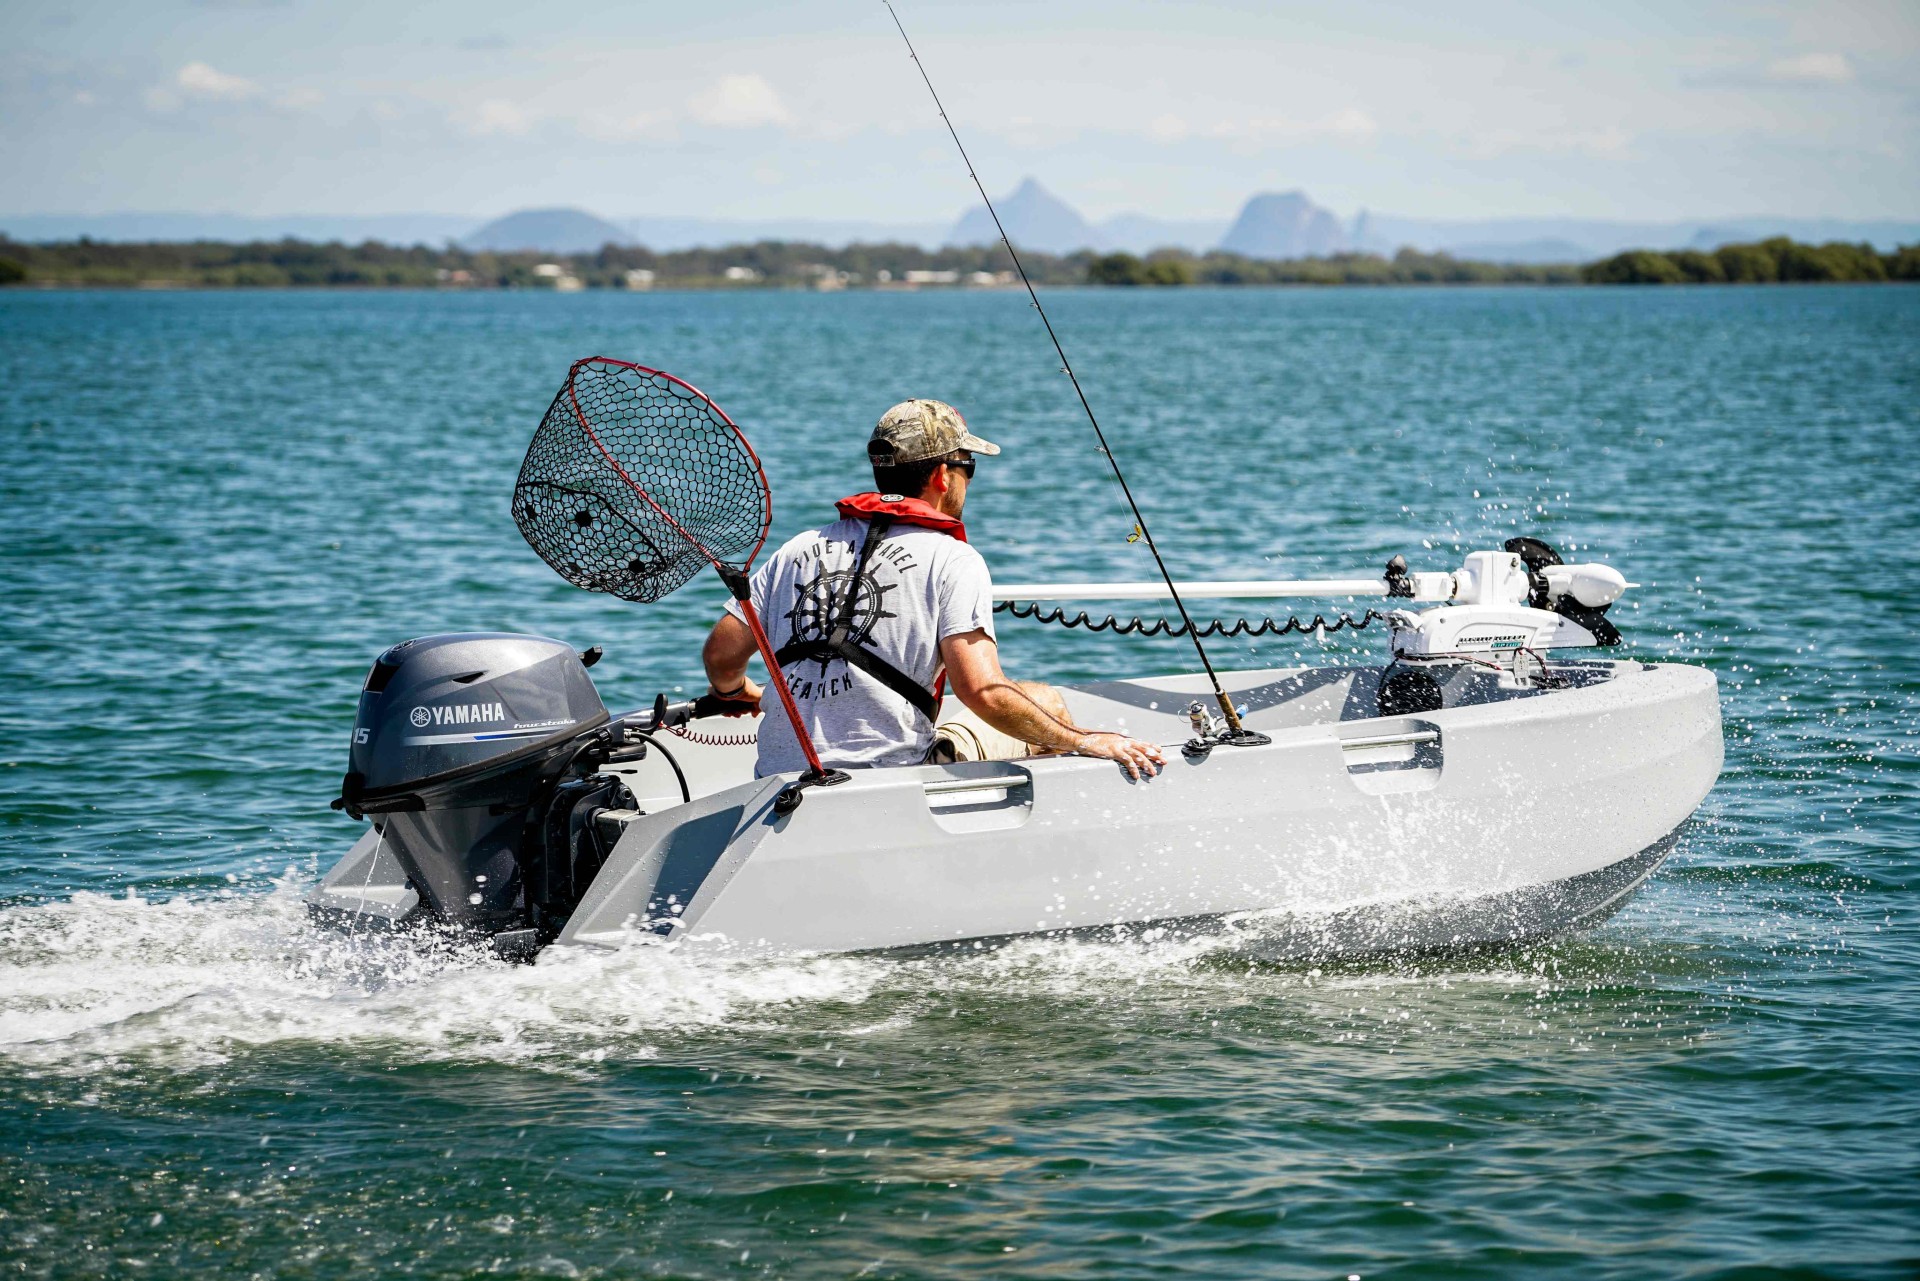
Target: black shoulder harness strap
[839, 643]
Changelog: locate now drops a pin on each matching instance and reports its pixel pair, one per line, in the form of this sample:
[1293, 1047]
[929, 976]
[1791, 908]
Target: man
[869, 614]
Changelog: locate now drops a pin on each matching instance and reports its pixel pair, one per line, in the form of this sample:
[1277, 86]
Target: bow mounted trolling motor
[1498, 607]
[1518, 599]
[1502, 608]
[475, 756]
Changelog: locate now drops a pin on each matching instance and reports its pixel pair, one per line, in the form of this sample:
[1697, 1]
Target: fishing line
[1235, 734]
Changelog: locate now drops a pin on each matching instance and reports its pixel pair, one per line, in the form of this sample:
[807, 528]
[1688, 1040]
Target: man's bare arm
[729, 646]
[973, 669]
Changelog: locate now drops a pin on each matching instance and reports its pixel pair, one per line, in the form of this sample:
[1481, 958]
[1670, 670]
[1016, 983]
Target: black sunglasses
[964, 466]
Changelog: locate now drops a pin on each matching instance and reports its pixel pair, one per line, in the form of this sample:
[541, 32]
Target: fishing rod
[1235, 733]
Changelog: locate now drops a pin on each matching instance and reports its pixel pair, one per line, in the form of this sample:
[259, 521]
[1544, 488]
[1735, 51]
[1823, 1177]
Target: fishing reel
[1210, 731]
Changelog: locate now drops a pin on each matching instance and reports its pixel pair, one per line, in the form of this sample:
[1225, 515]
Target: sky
[805, 109]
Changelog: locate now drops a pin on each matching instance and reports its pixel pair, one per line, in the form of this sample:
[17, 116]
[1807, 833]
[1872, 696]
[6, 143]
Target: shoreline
[194, 287]
[782, 265]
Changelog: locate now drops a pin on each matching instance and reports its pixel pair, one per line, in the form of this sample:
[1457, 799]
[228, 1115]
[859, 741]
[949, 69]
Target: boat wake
[100, 982]
[97, 981]
[117, 985]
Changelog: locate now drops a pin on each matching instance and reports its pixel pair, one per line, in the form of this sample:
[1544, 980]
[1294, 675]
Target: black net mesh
[635, 482]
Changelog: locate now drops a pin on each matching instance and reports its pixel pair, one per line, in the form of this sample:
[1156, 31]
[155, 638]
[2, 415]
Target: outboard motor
[463, 747]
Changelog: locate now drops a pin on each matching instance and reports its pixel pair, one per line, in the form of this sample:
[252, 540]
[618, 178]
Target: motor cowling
[458, 745]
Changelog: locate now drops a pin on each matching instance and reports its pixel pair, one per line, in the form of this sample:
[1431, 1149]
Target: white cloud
[198, 80]
[498, 117]
[1812, 68]
[1608, 141]
[611, 127]
[1350, 125]
[1168, 128]
[740, 102]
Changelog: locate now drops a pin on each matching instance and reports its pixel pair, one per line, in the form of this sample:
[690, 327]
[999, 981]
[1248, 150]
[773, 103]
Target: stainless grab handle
[995, 783]
[1391, 740]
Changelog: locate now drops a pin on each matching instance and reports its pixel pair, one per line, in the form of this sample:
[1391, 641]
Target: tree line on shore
[1408, 267]
[1778, 260]
[298, 263]
[787, 264]
[1775, 261]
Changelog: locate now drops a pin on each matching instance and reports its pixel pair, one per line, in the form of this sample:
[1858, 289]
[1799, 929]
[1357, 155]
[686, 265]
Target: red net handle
[742, 590]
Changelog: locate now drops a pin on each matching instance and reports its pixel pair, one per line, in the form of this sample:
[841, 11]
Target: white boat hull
[1505, 815]
[1516, 794]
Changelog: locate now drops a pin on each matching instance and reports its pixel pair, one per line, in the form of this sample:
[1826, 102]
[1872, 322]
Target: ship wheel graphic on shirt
[821, 600]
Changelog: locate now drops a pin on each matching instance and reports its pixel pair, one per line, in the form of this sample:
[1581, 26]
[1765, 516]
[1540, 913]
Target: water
[218, 508]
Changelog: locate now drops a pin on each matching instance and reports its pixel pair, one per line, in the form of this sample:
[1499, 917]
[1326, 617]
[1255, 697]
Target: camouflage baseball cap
[916, 430]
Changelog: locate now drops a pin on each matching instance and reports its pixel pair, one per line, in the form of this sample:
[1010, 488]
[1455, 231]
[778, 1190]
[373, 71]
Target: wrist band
[728, 693]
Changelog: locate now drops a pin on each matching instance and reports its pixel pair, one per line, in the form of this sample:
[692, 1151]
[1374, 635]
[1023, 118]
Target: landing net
[635, 482]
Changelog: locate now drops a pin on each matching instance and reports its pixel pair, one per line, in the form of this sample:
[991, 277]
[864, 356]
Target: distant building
[563, 281]
[933, 277]
[826, 278]
[640, 278]
[742, 274]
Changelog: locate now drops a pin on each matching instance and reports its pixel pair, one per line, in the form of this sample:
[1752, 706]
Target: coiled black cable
[1166, 627]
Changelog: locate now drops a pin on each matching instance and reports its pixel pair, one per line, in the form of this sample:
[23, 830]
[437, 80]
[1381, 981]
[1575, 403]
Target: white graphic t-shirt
[920, 586]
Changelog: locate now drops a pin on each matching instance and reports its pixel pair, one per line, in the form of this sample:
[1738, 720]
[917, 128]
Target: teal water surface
[217, 508]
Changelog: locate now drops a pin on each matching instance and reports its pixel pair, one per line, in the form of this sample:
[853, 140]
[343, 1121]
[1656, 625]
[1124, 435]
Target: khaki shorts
[962, 736]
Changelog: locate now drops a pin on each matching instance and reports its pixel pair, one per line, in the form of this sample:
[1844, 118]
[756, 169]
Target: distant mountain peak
[1035, 219]
[1284, 224]
[554, 231]
[1274, 224]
